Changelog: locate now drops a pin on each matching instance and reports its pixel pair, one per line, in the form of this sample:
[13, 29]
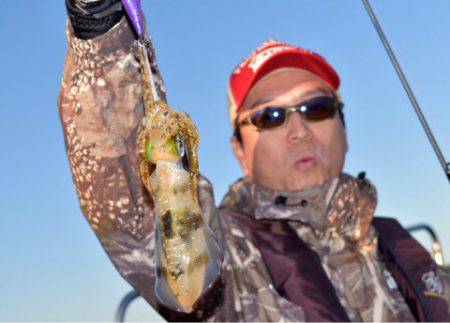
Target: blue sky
[52, 266]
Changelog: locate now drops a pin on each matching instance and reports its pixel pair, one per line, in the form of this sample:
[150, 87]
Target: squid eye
[182, 152]
[181, 146]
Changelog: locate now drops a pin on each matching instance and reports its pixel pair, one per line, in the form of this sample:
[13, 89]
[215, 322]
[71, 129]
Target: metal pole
[123, 306]
[436, 245]
[409, 92]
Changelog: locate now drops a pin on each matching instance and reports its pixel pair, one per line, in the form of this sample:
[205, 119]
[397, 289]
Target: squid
[187, 254]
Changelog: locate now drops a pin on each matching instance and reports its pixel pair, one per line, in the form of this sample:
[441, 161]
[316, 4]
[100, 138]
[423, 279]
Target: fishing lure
[187, 257]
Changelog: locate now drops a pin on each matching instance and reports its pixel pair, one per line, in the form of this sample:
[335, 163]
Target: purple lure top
[133, 8]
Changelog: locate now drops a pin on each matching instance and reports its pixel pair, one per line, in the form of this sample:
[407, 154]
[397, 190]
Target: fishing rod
[445, 165]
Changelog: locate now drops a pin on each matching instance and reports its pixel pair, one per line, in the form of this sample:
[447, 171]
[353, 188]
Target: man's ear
[345, 140]
[238, 151]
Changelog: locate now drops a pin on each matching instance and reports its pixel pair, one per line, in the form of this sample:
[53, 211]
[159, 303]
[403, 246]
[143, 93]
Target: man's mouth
[305, 162]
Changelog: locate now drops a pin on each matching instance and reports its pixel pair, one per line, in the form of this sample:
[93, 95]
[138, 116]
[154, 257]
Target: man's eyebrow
[262, 101]
[316, 91]
[306, 94]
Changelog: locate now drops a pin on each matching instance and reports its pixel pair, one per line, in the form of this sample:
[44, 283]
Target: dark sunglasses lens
[319, 109]
[269, 117]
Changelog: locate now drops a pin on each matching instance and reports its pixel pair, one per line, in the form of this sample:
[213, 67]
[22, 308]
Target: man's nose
[297, 128]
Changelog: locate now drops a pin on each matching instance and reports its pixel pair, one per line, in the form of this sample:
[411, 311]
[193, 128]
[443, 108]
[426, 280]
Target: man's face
[299, 154]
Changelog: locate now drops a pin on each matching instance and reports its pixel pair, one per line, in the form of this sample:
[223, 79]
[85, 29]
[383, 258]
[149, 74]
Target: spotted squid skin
[184, 256]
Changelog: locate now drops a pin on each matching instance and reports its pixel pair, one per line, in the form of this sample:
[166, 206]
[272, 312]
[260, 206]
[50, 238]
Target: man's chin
[305, 179]
[292, 179]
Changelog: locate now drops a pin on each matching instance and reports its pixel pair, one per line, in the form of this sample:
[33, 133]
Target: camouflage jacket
[100, 107]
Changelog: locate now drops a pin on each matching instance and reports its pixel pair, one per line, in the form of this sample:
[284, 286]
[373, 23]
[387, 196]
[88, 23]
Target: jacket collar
[344, 205]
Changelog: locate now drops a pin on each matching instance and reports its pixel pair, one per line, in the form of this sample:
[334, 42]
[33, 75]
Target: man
[298, 235]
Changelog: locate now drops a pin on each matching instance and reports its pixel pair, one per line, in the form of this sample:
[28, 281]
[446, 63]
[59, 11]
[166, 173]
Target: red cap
[270, 56]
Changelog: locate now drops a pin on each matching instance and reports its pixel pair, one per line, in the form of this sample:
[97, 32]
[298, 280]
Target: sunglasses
[316, 109]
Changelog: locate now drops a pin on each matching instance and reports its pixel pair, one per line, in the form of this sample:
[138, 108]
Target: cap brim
[294, 59]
